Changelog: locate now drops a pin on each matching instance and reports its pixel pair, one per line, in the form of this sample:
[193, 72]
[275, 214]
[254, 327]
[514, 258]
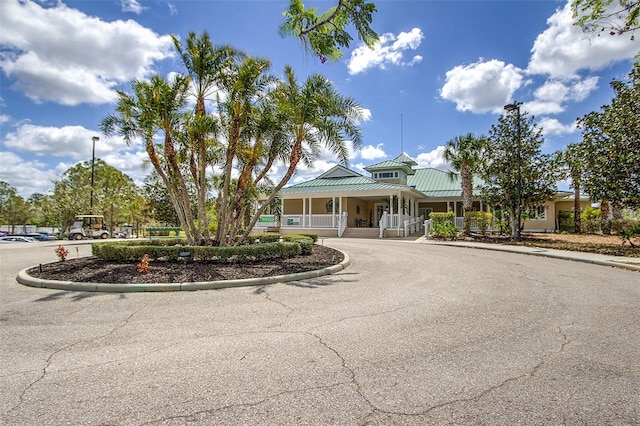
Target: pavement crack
[49, 360]
[530, 373]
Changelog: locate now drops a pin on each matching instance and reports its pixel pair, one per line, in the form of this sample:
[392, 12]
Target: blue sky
[448, 67]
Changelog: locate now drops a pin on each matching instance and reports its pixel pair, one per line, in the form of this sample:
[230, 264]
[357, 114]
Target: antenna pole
[401, 136]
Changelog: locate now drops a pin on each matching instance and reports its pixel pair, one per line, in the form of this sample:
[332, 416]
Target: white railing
[342, 224]
[412, 225]
[310, 221]
[324, 220]
[383, 224]
[459, 222]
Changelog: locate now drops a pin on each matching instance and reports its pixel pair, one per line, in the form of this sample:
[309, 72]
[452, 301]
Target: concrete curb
[25, 279]
[542, 252]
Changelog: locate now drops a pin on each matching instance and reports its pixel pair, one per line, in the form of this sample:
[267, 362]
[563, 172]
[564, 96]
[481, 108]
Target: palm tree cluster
[224, 125]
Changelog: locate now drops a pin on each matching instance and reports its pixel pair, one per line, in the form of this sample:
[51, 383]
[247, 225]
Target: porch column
[391, 208]
[333, 212]
[310, 213]
[304, 210]
[400, 209]
[281, 210]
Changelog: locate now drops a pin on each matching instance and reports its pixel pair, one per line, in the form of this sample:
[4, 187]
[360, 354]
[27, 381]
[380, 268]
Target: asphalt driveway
[409, 334]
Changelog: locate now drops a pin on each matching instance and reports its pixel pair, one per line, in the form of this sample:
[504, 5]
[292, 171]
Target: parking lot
[409, 334]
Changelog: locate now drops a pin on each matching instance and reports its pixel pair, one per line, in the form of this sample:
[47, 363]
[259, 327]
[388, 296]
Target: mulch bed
[94, 270]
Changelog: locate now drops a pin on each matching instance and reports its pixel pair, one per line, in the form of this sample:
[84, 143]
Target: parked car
[36, 236]
[17, 239]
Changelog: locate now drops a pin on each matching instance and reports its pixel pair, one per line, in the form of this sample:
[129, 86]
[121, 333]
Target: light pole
[93, 162]
[516, 107]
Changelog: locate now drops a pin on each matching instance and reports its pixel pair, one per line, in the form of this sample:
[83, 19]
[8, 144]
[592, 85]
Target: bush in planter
[133, 251]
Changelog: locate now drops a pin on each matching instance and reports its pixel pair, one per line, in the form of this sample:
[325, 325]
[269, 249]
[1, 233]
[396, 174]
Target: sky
[441, 69]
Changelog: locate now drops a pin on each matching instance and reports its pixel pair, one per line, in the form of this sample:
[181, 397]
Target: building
[393, 201]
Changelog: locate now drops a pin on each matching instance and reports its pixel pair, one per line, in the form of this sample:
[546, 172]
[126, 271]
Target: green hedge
[162, 231]
[134, 250]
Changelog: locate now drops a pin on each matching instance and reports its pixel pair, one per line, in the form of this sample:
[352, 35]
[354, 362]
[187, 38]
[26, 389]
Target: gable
[338, 172]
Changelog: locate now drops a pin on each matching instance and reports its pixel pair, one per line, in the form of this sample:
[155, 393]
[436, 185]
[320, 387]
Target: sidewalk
[632, 263]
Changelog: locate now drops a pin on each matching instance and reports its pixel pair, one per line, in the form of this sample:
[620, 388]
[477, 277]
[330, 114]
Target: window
[536, 213]
[385, 175]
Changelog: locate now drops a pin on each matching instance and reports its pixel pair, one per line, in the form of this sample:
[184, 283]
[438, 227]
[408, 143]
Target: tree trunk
[577, 225]
[605, 223]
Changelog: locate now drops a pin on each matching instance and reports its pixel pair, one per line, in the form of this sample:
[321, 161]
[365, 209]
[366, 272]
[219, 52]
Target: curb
[546, 253]
[25, 279]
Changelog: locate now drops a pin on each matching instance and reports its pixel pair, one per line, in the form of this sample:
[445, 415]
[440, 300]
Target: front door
[380, 209]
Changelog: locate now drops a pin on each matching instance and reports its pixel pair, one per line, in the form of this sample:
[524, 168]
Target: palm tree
[246, 85]
[464, 153]
[575, 161]
[206, 66]
[156, 106]
[313, 115]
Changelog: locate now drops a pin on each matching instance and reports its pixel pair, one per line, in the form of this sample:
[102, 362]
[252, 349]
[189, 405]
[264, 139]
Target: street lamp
[509, 108]
[93, 161]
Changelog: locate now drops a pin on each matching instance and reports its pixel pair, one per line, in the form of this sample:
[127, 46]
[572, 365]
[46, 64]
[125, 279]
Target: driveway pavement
[410, 333]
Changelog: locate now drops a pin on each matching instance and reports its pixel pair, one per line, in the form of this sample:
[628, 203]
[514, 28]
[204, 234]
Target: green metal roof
[438, 183]
[404, 158]
[390, 165]
[430, 182]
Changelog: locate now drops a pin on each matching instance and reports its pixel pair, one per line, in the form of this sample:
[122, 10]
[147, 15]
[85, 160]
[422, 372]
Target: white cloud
[543, 107]
[552, 90]
[582, 89]
[551, 126]
[550, 97]
[388, 50]
[563, 49]
[85, 65]
[68, 141]
[131, 6]
[433, 159]
[27, 177]
[482, 86]
[4, 118]
[371, 152]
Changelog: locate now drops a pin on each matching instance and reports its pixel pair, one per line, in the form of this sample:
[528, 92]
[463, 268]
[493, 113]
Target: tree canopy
[610, 147]
[324, 34]
[539, 172]
[615, 16]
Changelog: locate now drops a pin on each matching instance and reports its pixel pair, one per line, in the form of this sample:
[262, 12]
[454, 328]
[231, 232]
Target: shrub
[62, 253]
[304, 241]
[566, 222]
[626, 229]
[133, 250]
[163, 231]
[143, 266]
[483, 220]
[443, 225]
[590, 220]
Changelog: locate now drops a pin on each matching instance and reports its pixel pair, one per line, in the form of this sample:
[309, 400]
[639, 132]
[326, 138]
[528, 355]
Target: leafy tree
[464, 153]
[539, 172]
[13, 209]
[615, 16]
[40, 207]
[113, 193]
[611, 146]
[324, 34]
[157, 198]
